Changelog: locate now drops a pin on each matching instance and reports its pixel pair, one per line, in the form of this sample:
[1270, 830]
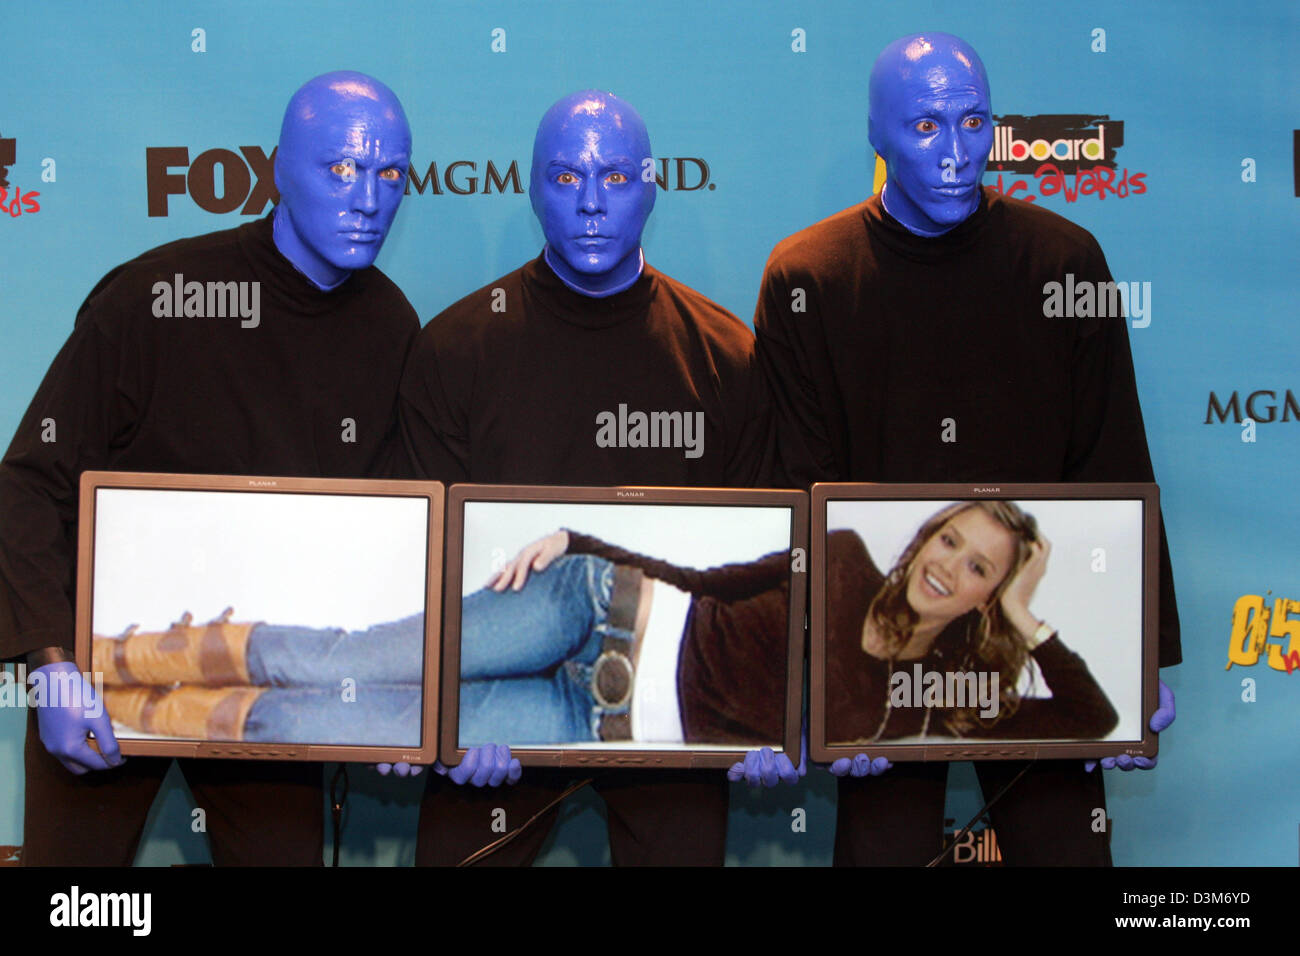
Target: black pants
[258, 813]
[656, 818]
[1047, 818]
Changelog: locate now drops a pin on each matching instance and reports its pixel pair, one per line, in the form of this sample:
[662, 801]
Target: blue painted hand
[486, 766]
[1164, 716]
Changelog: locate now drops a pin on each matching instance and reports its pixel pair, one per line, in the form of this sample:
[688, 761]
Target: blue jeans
[390, 653]
[337, 687]
[526, 656]
[525, 669]
[383, 715]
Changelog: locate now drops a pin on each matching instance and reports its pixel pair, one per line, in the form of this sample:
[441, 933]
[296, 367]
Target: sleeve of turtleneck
[792, 362]
[729, 582]
[751, 452]
[81, 410]
[1077, 710]
[431, 417]
[1108, 440]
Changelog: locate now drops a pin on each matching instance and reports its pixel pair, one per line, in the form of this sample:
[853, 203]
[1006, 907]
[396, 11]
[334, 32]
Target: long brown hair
[990, 643]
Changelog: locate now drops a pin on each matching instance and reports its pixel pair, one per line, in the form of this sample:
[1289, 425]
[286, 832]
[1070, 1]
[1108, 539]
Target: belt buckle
[607, 658]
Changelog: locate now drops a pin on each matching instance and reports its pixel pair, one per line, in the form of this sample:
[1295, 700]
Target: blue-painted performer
[134, 389]
[510, 385]
[920, 352]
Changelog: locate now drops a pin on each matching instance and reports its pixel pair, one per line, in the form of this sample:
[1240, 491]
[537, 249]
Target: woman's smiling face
[960, 567]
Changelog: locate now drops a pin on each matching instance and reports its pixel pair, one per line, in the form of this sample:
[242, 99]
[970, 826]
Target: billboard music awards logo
[979, 847]
[222, 180]
[13, 200]
[1066, 154]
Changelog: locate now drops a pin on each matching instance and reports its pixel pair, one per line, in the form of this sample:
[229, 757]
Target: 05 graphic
[1257, 630]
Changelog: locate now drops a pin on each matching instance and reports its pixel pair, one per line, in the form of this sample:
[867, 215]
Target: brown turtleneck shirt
[507, 385]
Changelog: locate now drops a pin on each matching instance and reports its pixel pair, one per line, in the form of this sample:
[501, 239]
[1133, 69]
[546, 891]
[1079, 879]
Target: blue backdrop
[770, 98]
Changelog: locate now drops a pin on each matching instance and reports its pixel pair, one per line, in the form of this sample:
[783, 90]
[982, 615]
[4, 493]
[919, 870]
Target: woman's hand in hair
[532, 557]
[1018, 594]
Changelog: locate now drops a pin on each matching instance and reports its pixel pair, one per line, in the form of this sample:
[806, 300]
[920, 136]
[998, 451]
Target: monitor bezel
[432, 492]
[459, 494]
[961, 749]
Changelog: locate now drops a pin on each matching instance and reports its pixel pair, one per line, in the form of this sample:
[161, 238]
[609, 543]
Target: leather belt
[613, 676]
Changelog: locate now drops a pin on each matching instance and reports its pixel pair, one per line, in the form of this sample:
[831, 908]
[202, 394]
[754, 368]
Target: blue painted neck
[910, 226]
[618, 279]
[313, 267]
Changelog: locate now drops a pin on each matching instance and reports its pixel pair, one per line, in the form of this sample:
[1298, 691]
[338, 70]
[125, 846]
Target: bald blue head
[931, 122]
[588, 191]
[340, 167]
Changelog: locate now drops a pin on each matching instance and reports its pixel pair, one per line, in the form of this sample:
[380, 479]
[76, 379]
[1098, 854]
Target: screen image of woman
[941, 645]
[577, 640]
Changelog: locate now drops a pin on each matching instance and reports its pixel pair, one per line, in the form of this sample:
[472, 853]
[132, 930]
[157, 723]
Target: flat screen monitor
[983, 622]
[633, 627]
[250, 617]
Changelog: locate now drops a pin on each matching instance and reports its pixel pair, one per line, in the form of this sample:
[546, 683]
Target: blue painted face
[586, 189]
[931, 123]
[341, 167]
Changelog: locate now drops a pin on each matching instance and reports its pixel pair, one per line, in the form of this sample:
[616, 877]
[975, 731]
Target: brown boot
[194, 713]
[214, 654]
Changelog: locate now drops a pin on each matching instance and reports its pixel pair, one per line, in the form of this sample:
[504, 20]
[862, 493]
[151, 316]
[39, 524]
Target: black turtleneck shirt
[310, 391]
[513, 383]
[878, 344]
